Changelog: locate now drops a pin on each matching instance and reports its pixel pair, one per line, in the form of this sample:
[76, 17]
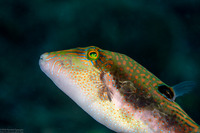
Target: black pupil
[93, 54]
[166, 91]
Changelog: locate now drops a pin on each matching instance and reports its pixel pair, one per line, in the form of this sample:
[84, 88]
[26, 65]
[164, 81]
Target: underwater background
[162, 35]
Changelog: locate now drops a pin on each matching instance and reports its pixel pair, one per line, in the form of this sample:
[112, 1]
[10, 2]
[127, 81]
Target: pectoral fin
[184, 87]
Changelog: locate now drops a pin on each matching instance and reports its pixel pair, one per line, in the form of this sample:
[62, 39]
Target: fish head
[73, 72]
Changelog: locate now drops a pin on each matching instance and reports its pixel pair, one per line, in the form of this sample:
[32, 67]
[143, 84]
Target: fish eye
[166, 91]
[93, 54]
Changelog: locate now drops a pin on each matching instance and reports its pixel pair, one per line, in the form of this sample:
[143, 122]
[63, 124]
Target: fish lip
[42, 62]
[41, 57]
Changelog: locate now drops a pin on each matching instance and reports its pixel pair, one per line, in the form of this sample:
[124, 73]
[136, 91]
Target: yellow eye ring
[93, 54]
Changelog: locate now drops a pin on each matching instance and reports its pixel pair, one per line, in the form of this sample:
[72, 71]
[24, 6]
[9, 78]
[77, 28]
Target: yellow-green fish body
[117, 91]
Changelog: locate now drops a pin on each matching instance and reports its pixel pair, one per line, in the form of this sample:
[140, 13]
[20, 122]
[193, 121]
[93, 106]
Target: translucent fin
[184, 87]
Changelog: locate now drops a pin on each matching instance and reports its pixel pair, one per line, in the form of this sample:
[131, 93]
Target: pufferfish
[117, 91]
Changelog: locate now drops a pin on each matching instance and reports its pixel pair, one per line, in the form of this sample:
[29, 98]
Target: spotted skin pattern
[119, 92]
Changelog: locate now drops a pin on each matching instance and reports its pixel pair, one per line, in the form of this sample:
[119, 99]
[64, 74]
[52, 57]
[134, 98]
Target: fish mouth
[44, 65]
